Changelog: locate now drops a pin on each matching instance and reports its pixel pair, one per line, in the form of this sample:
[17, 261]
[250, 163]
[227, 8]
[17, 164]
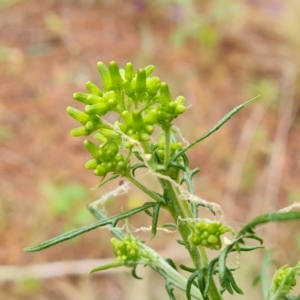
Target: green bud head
[152, 85]
[91, 147]
[105, 74]
[78, 115]
[127, 116]
[93, 89]
[91, 164]
[80, 131]
[129, 91]
[176, 146]
[149, 70]
[165, 96]
[93, 99]
[116, 79]
[212, 239]
[149, 128]
[129, 71]
[214, 227]
[150, 117]
[100, 170]
[180, 100]
[83, 98]
[99, 137]
[99, 109]
[137, 120]
[145, 137]
[141, 81]
[180, 109]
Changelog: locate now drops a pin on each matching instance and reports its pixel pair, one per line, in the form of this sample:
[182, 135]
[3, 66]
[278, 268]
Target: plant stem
[167, 130]
[198, 255]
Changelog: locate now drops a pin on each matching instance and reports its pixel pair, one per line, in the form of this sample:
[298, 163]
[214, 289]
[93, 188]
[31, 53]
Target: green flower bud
[100, 170]
[116, 79]
[149, 70]
[150, 117]
[176, 146]
[180, 109]
[149, 129]
[99, 137]
[129, 91]
[78, 115]
[91, 164]
[93, 99]
[165, 96]
[153, 85]
[91, 147]
[206, 233]
[93, 125]
[137, 120]
[127, 116]
[105, 74]
[129, 72]
[141, 81]
[93, 89]
[180, 100]
[108, 133]
[145, 137]
[80, 131]
[99, 108]
[84, 98]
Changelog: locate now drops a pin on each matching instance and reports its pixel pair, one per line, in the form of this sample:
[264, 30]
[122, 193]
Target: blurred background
[217, 54]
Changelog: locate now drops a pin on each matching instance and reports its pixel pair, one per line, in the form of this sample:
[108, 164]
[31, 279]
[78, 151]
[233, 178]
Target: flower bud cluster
[160, 150]
[280, 276]
[207, 234]
[127, 249]
[106, 158]
[139, 100]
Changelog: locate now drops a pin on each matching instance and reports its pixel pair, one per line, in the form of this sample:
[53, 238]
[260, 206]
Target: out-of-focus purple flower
[139, 5]
[176, 13]
[254, 1]
[274, 7]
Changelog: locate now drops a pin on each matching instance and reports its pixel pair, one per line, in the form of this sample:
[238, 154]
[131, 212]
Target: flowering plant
[143, 136]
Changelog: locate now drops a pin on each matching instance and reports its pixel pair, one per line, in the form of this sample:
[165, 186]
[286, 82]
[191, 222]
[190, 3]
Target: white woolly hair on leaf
[290, 207]
[119, 190]
[181, 135]
[147, 229]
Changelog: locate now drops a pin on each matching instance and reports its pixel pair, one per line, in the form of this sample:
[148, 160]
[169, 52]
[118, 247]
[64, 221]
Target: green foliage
[143, 105]
[62, 198]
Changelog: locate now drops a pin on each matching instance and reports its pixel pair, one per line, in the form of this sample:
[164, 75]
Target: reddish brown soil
[42, 65]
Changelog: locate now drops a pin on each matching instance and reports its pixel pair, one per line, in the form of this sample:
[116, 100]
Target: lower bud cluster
[207, 234]
[280, 276]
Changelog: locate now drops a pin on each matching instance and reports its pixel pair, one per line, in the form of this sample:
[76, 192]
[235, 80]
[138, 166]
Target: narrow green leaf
[233, 283]
[264, 275]
[171, 263]
[112, 177]
[189, 285]
[186, 268]
[169, 290]
[210, 272]
[108, 266]
[222, 264]
[215, 128]
[271, 217]
[156, 209]
[73, 233]
[133, 273]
